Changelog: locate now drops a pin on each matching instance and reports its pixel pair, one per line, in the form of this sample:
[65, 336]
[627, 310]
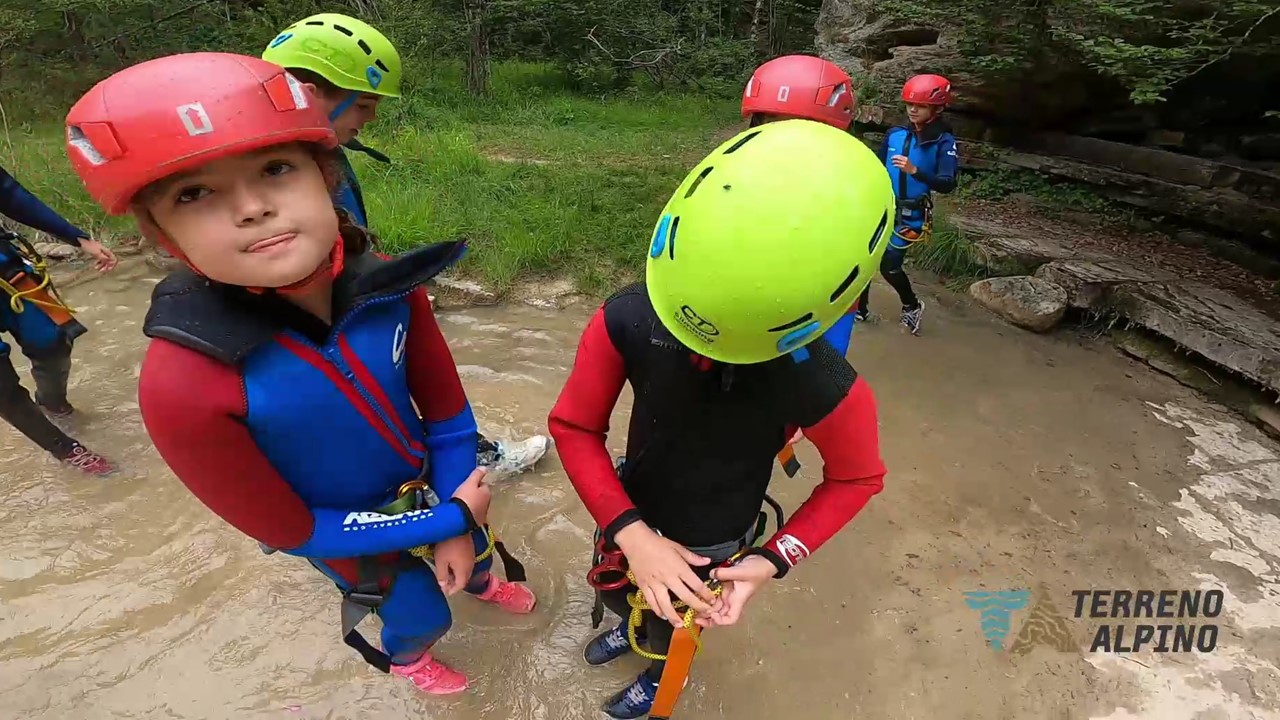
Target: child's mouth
[272, 242]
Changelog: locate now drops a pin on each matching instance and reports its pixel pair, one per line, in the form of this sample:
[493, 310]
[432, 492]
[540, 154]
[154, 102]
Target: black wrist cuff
[466, 514]
[628, 517]
[778, 563]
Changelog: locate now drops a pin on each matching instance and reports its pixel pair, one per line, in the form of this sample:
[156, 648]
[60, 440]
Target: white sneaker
[517, 457]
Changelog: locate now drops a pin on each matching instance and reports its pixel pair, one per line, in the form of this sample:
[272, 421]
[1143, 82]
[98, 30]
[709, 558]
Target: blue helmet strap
[342, 106]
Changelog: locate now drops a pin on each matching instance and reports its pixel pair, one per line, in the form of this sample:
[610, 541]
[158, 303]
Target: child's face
[260, 219]
[921, 114]
[360, 113]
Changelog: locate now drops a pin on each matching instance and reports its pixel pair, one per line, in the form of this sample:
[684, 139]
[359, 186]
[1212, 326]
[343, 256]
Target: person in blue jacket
[41, 327]
[921, 159]
[296, 382]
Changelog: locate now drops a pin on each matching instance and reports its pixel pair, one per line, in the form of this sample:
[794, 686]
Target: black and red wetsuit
[703, 435]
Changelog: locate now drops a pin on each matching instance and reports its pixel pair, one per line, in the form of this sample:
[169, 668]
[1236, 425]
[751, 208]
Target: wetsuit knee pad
[414, 616]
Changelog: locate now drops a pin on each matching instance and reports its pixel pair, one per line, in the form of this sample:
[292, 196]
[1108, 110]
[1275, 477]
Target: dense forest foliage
[603, 45]
[52, 48]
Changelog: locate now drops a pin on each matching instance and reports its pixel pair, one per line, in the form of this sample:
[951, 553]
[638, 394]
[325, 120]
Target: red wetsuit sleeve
[433, 376]
[852, 471]
[193, 409]
[437, 391]
[579, 423]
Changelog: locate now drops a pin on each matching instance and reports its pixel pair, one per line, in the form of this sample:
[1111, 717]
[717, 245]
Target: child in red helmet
[285, 364]
[921, 159]
[804, 87]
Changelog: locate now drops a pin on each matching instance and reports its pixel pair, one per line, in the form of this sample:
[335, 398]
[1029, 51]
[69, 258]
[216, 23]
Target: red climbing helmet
[927, 90]
[801, 86]
[175, 113]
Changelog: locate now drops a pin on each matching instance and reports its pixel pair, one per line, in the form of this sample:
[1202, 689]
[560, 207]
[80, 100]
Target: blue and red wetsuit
[294, 431]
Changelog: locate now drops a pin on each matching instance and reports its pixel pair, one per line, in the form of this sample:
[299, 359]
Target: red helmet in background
[801, 86]
[927, 90]
[176, 113]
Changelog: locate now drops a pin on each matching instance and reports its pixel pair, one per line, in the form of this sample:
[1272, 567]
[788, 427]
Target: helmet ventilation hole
[746, 139]
[381, 66]
[787, 326]
[344, 31]
[844, 285]
[671, 239]
[316, 22]
[878, 234]
[698, 181]
[364, 46]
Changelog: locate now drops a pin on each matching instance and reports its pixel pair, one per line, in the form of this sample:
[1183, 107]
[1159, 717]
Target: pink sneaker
[512, 597]
[432, 676]
[82, 459]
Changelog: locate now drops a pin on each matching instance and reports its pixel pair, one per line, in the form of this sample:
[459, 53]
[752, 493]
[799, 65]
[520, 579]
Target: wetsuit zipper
[333, 354]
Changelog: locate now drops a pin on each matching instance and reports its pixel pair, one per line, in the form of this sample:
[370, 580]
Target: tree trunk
[477, 14]
[756, 17]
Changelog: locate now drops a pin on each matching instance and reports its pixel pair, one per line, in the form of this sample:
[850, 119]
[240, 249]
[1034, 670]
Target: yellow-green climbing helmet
[345, 51]
[769, 241]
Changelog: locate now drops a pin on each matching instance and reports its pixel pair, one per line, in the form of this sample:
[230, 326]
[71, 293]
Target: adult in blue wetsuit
[350, 67]
[44, 340]
[921, 159]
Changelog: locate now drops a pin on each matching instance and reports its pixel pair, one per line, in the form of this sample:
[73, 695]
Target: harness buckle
[370, 600]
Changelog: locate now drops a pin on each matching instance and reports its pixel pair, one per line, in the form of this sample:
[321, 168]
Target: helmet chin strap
[347, 102]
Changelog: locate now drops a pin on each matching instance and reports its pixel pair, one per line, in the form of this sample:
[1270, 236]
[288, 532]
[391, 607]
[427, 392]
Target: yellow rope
[639, 605]
[424, 551]
[18, 297]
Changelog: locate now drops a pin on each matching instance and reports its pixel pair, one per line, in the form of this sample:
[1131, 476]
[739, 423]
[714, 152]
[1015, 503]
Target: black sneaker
[609, 645]
[911, 317]
[633, 701]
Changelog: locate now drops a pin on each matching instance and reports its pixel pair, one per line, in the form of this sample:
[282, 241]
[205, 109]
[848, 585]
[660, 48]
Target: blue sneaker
[633, 701]
[609, 645]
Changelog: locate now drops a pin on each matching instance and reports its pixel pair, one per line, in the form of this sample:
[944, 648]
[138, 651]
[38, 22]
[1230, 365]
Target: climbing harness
[24, 277]
[906, 208]
[372, 576]
[609, 571]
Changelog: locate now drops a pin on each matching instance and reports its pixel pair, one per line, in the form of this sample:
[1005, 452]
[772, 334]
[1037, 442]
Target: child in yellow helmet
[351, 67]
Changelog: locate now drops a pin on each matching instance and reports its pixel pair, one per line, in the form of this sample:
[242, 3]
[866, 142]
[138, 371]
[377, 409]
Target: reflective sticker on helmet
[796, 338]
[77, 140]
[841, 90]
[299, 93]
[374, 76]
[281, 39]
[784, 93]
[194, 119]
[660, 237]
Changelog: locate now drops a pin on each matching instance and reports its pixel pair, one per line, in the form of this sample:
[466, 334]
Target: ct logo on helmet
[330, 54]
[698, 325]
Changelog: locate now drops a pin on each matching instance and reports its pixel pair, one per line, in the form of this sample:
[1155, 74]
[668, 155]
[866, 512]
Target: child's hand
[454, 559]
[661, 567]
[903, 163]
[102, 255]
[741, 581]
[475, 492]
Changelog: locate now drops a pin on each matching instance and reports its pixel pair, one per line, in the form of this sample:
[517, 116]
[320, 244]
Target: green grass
[950, 254]
[463, 167]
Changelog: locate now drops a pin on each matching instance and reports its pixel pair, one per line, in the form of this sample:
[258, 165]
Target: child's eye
[277, 167]
[190, 194]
